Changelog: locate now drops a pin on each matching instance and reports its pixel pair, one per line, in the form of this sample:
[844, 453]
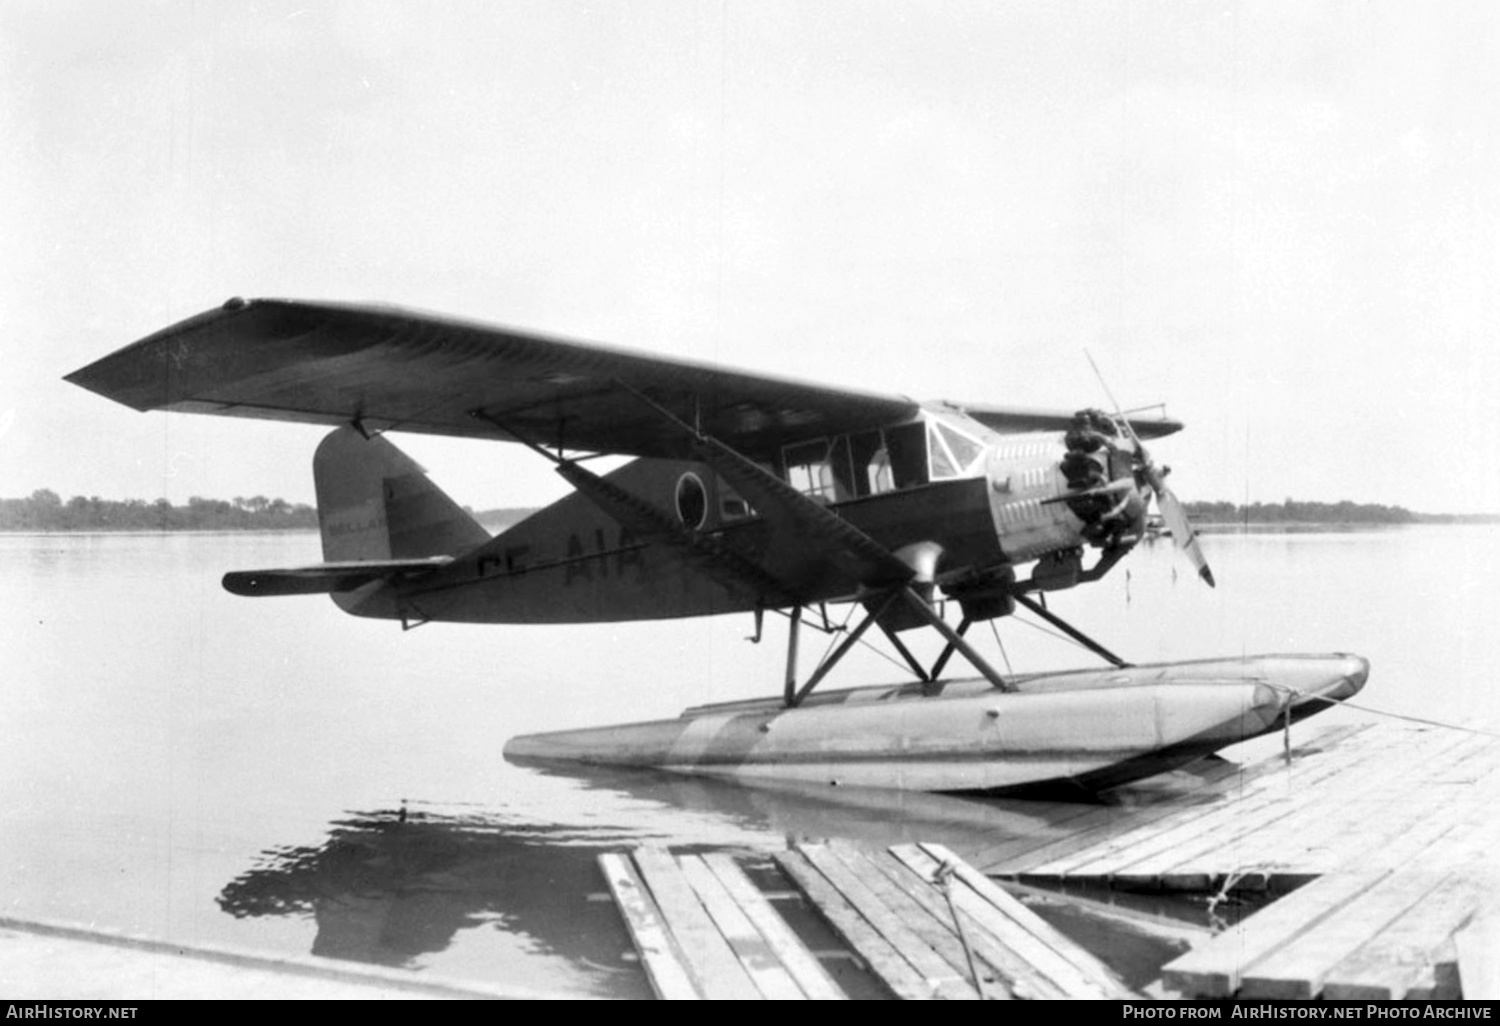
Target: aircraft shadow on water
[388, 889]
[750, 494]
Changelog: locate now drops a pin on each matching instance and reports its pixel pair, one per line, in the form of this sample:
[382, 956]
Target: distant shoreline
[44, 512]
[1343, 527]
[495, 528]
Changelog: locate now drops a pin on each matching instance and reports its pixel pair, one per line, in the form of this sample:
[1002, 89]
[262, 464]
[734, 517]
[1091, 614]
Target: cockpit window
[954, 453]
[942, 463]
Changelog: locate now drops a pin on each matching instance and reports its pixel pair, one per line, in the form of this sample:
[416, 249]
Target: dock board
[704, 930]
[950, 935]
[1388, 830]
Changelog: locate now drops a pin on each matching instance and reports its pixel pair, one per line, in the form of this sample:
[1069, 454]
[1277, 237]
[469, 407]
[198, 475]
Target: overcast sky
[1280, 219]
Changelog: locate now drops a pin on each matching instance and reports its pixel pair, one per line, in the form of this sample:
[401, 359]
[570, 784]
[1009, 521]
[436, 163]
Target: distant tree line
[1294, 512]
[44, 510]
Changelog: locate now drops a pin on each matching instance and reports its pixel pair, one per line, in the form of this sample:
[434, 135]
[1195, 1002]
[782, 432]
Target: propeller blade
[1183, 535]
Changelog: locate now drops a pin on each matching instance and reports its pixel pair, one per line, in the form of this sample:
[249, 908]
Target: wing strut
[645, 520]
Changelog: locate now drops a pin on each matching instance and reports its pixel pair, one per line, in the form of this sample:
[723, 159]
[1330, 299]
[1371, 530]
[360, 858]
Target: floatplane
[746, 494]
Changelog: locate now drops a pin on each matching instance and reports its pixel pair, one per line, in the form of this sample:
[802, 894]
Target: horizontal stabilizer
[326, 577]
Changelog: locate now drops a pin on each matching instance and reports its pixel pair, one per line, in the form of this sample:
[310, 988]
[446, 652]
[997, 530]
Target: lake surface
[183, 763]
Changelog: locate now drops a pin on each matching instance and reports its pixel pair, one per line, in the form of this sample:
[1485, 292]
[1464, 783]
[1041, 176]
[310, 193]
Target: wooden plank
[884, 960]
[1268, 787]
[1360, 814]
[1012, 974]
[1478, 946]
[1010, 933]
[1148, 801]
[1215, 968]
[1439, 981]
[1075, 955]
[804, 967]
[1165, 928]
[930, 920]
[712, 962]
[1356, 793]
[665, 967]
[1146, 854]
[1297, 969]
[1389, 965]
[760, 963]
[1356, 811]
[946, 980]
[1067, 823]
[1095, 825]
[1218, 968]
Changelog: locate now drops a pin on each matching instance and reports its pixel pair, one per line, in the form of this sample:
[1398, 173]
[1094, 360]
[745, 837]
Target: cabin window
[867, 463]
[906, 447]
[883, 461]
[810, 468]
[953, 453]
[731, 505]
[864, 448]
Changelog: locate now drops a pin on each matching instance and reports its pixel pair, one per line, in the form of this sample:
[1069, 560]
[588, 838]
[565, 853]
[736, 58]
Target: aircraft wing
[385, 369]
[1011, 419]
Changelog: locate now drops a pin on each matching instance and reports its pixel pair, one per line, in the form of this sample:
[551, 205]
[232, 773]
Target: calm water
[183, 763]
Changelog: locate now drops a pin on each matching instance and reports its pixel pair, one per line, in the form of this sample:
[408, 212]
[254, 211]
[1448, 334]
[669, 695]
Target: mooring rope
[1299, 693]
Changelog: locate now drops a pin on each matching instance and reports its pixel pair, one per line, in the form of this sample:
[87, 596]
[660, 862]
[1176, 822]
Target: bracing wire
[1001, 645]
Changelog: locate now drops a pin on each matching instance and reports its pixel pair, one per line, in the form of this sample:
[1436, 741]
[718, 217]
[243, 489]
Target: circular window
[692, 501]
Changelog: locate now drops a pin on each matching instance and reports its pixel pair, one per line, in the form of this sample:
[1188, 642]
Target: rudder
[375, 502]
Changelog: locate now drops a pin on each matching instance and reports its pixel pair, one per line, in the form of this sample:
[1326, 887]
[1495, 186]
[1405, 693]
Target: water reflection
[791, 811]
[397, 886]
[390, 886]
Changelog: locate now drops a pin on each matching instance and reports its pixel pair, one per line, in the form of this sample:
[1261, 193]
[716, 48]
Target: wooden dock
[1381, 841]
[1388, 833]
[926, 924]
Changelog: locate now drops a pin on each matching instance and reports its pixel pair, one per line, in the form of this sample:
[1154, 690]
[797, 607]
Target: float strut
[954, 638]
[795, 699]
[791, 657]
[911, 660]
[1072, 632]
[942, 660]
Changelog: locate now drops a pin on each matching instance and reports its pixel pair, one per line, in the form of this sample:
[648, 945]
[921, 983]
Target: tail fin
[375, 503]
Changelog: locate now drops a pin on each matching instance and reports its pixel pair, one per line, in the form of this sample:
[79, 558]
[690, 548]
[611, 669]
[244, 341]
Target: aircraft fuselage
[962, 503]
